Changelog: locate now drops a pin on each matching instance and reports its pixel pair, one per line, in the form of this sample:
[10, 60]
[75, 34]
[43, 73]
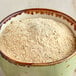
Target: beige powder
[37, 40]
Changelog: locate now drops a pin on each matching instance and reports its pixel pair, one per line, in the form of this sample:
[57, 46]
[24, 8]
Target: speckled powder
[37, 40]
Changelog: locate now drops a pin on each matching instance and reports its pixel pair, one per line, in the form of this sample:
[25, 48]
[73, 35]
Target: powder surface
[37, 40]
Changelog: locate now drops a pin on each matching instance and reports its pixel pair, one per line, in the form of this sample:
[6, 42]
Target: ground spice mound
[37, 40]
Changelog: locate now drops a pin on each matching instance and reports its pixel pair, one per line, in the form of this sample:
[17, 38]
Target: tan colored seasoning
[37, 40]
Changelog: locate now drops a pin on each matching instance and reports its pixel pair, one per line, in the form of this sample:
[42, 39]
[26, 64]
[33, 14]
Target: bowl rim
[70, 19]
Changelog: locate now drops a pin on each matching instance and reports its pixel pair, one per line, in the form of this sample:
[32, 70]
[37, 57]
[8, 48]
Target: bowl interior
[35, 13]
